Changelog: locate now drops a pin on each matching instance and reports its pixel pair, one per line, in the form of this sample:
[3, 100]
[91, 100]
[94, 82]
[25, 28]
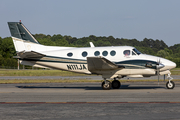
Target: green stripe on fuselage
[137, 64]
[57, 60]
[129, 64]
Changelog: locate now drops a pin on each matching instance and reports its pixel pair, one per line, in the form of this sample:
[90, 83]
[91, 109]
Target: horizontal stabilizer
[29, 54]
[100, 63]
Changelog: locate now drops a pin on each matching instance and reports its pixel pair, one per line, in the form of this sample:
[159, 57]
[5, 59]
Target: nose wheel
[170, 84]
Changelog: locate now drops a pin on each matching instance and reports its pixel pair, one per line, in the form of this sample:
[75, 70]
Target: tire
[116, 84]
[106, 87]
[170, 85]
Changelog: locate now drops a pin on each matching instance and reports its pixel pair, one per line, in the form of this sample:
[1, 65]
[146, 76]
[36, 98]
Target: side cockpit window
[126, 52]
[133, 53]
[136, 51]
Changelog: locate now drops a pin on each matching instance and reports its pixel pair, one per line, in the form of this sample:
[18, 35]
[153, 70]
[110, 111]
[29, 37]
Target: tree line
[147, 46]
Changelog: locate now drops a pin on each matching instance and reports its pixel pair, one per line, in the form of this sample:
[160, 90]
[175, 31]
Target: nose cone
[168, 64]
[164, 64]
[173, 65]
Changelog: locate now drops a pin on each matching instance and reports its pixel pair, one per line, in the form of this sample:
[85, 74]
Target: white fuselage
[110, 62]
[75, 59]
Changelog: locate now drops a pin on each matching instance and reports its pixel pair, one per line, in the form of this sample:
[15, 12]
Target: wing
[101, 64]
[29, 54]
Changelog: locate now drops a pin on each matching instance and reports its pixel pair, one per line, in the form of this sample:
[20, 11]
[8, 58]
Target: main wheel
[170, 85]
[106, 86]
[116, 84]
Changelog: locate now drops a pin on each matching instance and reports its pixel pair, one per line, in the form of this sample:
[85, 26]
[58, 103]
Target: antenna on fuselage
[91, 44]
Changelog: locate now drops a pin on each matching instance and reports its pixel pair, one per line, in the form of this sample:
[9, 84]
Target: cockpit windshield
[136, 51]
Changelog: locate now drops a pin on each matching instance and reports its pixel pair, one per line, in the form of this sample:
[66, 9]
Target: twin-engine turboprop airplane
[112, 62]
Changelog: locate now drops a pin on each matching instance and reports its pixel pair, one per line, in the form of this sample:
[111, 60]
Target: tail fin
[18, 30]
[22, 38]
[24, 41]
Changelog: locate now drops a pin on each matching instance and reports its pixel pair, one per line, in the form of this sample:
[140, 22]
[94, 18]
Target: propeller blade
[158, 77]
[159, 61]
[159, 65]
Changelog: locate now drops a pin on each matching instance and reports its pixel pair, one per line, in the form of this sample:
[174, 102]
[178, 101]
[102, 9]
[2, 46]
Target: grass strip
[38, 73]
[6, 72]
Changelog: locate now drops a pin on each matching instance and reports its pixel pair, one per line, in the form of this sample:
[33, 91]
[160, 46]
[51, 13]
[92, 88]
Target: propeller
[159, 65]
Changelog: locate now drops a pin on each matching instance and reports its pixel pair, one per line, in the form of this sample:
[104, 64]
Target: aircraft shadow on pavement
[63, 87]
[140, 87]
[89, 87]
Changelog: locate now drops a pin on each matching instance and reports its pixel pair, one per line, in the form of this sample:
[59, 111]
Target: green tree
[163, 53]
[7, 49]
[46, 41]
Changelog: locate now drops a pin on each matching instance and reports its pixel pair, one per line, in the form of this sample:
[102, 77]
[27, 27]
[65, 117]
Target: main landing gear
[106, 85]
[170, 84]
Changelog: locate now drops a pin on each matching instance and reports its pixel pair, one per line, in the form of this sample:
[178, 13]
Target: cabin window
[84, 54]
[113, 53]
[97, 53]
[70, 54]
[126, 52]
[105, 53]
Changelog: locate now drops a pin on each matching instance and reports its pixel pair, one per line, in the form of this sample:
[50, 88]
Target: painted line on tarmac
[84, 102]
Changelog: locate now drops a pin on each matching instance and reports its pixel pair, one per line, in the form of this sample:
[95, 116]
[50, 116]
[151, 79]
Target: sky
[139, 19]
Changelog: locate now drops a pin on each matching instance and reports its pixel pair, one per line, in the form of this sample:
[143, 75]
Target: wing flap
[101, 63]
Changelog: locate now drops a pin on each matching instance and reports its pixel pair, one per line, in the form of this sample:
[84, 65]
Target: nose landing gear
[170, 84]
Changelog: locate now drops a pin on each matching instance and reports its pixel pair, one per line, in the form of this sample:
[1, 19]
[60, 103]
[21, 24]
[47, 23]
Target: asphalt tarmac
[87, 77]
[87, 101]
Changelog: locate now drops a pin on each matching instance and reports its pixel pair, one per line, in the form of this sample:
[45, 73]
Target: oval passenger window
[105, 53]
[84, 54]
[70, 54]
[113, 53]
[96, 53]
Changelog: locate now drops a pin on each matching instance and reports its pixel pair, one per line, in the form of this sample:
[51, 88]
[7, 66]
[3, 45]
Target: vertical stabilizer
[24, 41]
[22, 38]
[18, 30]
